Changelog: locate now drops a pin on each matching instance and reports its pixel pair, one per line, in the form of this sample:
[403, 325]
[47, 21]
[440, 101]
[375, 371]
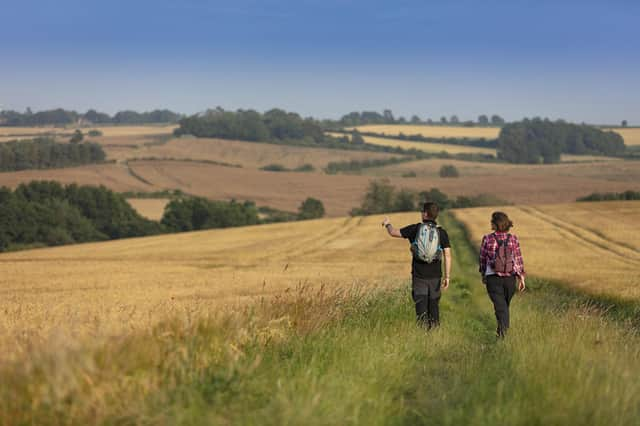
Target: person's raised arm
[446, 254]
[394, 232]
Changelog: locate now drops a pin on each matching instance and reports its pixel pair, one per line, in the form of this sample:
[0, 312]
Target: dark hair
[431, 209]
[501, 221]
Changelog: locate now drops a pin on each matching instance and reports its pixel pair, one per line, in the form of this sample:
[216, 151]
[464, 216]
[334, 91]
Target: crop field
[432, 131]
[249, 155]
[62, 296]
[594, 247]
[151, 208]
[631, 135]
[429, 147]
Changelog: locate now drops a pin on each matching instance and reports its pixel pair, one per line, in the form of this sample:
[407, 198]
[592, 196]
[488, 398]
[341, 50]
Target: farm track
[587, 237]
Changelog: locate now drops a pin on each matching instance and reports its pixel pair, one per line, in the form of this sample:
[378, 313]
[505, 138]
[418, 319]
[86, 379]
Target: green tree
[624, 123]
[483, 120]
[496, 120]
[449, 171]
[311, 208]
[77, 137]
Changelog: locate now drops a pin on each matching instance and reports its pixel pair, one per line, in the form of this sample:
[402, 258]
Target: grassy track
[359, 359]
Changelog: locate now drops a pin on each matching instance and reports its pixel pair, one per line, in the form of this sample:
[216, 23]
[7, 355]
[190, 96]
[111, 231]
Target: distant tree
[405, 201]
[483, 120]
[496, 120]
[94, 133]
[624, 123]
[415, 119]
[454, 119]
[388, 116]
[379, 198]
[443, 120]
[449, 171]
[77, 137]
[357, 138]
[402, 120]
[434, 195]
[311, 209]
[429, 121]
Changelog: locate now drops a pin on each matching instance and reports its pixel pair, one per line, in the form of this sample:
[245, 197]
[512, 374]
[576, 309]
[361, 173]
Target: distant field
[246, 154]
[429, 147]
[631, 136]
[151, 208]
[116, 133]
[341, 193]
[60, 296]
[433, 131]
[592, 246]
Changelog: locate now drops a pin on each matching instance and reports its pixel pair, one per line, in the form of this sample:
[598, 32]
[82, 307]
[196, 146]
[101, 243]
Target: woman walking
[501, 266]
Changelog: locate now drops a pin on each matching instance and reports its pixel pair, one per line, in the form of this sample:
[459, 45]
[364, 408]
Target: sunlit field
[432, 131]
[151, 208]
[429, 147]
[594, 247]
[631, 135]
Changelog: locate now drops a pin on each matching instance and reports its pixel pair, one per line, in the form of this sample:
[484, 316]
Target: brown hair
[501, 221]
[431, 209]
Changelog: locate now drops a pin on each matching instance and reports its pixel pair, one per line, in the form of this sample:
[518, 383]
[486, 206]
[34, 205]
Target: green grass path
[562, 363]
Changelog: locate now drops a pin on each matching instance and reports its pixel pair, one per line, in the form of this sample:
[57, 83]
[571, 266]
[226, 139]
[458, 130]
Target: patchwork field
[432, 131]
[61, 296]
[246, 154]
[429, 147]
[594, 247]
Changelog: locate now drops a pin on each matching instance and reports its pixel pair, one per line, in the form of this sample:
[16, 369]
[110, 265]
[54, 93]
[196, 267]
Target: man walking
[429, 245]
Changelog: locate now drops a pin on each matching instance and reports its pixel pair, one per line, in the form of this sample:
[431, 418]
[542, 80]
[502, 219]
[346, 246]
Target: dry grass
[433, 131]
[83, 293]
[592, 246]
[151, 208]
[631, 135]
[249, 155]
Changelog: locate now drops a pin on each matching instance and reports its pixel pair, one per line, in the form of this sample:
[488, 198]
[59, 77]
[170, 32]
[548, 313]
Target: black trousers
[501, 290]
[426, 296]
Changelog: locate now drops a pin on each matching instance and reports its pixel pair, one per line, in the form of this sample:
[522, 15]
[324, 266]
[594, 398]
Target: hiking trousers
[501, 290]
[426, 296]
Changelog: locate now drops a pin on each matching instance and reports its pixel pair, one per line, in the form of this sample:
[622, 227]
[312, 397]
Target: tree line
[62, 117]
[46, 213]
[44, 153]
[356, 118]
[383, 197]
[543, 141]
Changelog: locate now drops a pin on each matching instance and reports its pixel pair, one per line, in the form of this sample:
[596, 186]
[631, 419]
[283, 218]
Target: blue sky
[578, 60]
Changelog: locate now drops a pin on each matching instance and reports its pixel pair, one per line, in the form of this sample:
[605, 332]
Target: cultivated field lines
[592, 246]
[246, 154]
[432, 131]
[65, 295]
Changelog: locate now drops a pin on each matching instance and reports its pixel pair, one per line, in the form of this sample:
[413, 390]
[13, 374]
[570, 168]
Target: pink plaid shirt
[489, 248]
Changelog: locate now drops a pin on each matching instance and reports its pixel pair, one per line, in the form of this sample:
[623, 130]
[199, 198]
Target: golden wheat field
[594, 247]
[67, 295]
[429, 147]
[630, 135]
[432, 131]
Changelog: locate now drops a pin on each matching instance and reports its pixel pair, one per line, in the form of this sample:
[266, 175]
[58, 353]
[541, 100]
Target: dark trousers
[501, 290]
[426, 296]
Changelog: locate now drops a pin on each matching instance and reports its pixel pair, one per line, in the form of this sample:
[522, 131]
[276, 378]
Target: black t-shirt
[419, 268]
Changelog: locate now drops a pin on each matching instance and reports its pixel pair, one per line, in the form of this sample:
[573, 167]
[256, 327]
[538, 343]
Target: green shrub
[449, 171]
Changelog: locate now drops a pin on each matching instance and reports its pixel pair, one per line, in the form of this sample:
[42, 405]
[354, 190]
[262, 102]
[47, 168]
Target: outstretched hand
[386, 221]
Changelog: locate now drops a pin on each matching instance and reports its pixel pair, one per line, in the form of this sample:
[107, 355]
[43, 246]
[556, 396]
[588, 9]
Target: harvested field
[30, 131]
[591, 246]
[246, 154]
[603, 170]
[113, 176]
[432, 131]
[630, 135]
[151, 208]
[62, 296]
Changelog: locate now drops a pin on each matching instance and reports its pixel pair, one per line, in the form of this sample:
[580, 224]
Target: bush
[77, 137]
[611, 196]
[449, 171]
[192, 214]
[305, 168]
[94, 133]
[274, 168]
[409, 174]
[311, 209]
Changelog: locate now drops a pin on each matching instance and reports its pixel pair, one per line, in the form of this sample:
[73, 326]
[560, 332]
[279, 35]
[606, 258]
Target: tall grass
[349, 357]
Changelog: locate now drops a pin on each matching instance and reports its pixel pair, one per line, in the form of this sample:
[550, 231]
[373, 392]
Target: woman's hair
[501, 221]
[431, 209]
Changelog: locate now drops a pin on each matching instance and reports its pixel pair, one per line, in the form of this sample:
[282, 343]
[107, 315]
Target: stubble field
[594, 247]
[432, 131]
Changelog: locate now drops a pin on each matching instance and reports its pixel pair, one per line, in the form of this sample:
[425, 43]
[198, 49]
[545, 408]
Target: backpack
[503, 260]
[426, 246]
